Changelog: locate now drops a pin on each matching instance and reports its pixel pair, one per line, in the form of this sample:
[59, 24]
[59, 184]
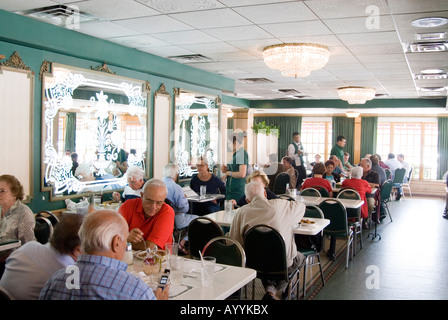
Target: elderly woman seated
[317, 179]
[362, 186]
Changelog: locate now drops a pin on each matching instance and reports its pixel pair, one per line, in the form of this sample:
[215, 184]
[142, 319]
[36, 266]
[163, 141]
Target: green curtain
[286, 125]
[344, 126]
[229, 123]
[369, 126]
[442, 146]
[70, 132]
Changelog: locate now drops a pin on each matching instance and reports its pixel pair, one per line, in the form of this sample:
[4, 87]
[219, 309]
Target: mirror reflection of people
[213, 186]
[75, 163]
[136, 180]
[235, 172]
[289, 169]
[122, 161]
[17, 219]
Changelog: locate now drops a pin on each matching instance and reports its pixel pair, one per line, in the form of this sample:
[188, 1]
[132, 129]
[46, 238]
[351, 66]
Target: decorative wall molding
[45, 67]
[15, 61]
[162, 89]
[103, 68]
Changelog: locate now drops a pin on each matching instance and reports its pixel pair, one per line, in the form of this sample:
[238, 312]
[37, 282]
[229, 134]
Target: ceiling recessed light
[429, 22]
[430, 36]
[431, 71]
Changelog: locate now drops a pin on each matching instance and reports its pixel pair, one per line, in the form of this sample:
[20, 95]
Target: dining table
[313, 227]
[9, 243]
[228, 279]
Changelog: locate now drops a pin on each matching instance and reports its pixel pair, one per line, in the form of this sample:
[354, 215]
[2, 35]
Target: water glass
[176, 270]
[172, 249]
[208, 270]
[228, 206]
[96, 202]
[203, 192]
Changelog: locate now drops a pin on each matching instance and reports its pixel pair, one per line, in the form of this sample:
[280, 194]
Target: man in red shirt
[149, 218]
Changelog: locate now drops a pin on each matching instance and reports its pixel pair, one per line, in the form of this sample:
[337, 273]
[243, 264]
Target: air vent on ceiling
[59, 14]
[430, 36]
[428, 47]
[381, 95]
[255, 80]
[431, 76]
[191, 58]
[288, 91]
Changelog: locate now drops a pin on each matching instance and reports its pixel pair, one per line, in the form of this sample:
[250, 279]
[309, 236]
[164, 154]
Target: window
[417, 141]
[316, 137]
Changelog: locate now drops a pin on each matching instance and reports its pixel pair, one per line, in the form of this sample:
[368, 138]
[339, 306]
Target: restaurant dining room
[244, 151]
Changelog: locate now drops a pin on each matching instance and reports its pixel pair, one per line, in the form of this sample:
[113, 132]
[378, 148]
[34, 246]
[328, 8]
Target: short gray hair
[135, 172]
[368, 162]
[253, 189]
[157, 183]
[357, 172]
[99, 228]
[170, 170]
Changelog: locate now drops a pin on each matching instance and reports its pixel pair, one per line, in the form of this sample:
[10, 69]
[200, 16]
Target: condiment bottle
[128, 257]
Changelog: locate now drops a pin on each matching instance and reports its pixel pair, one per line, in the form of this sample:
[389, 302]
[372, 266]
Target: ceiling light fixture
[356, 95]
[429, 22]
[352, 114]
[296, 59]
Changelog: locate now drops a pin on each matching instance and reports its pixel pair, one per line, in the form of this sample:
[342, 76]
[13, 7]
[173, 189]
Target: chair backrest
[43, 230]
[348, 193]
[281, 180]
[334, 211]
[386, 189]
[226, 251]
[265, 251]
[387, 171]
[323, 192]
[399, 175]
[313, 211]
[200, 231]
[310, 192]
[5, 295]
[49, 215]
[410, 175]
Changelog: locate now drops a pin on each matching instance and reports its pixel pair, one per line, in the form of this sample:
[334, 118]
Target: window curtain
[286, 125]
[369, 127]
[343, 126]
[70, 132]
[442, 146]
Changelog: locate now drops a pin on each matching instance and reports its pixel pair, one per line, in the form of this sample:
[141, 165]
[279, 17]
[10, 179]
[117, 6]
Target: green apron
[235, 186]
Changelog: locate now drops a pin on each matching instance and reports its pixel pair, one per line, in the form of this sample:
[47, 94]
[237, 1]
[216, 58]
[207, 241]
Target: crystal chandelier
[356, 95]
[296, 59]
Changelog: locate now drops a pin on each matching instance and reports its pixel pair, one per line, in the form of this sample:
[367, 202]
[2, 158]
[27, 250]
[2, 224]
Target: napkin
[80, 207]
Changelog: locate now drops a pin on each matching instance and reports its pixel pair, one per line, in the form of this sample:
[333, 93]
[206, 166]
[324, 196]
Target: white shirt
[29, 267]
[293, 154]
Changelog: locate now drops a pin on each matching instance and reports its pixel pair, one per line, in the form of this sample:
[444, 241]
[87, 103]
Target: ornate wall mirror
[195, 131]
[161, 130]
[94, 127]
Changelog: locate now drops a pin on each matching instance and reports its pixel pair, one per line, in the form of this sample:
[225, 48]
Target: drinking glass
[203, 192]
[208, 270]
[176, 270]
[228, 206]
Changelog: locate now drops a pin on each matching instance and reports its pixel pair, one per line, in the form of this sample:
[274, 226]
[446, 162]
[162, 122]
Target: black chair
[385, 191]
[49, 215]
[313, 248]
[200, 231]
[323, 192]
[353, 215]
[335, 211]
[280, 183]
[43, 230]
[310, 192]
[5, 295]
[226, 251]
[266, 252]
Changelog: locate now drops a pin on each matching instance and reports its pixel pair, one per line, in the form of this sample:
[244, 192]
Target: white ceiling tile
[359, 25]
[238, 33]
[14, 5]
[326, 9]
[274, 13]
[212, 47]
[154, 24]
[138, 41]
[294, 29]
[212, 18]
[410, 6]
[167, 51]
[105, 29]
[115, 9]
[173, 6]
[356, 39]
[185, 37]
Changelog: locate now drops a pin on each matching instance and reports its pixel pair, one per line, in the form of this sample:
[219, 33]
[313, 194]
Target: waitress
[235, 172]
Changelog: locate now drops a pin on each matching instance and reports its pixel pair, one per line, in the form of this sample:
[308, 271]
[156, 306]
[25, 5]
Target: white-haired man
[100, 273]
[278, 213]
[136, 180]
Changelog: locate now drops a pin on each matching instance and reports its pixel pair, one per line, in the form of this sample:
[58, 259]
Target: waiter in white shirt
[296, 152]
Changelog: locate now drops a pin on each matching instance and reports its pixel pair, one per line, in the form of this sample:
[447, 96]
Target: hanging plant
[262, 127]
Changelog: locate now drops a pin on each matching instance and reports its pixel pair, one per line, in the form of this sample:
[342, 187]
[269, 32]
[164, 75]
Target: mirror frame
[48, 146]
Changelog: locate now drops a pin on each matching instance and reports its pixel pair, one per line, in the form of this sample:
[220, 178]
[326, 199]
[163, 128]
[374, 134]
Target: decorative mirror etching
[95, 128]
[196, 132]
